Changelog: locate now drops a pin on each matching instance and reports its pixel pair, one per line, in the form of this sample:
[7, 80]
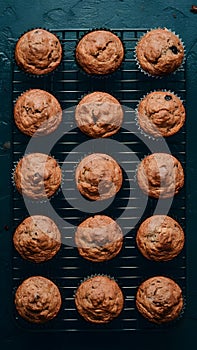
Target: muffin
[160, 238]
[159, 52]
[38, 52]
[37, 176]
[159, 299]
[99, 299]
[37, 238]
[160, 175]
[99, 115]
[161, 113]
[99, 238]
[37, 111]
[99, 52]
[98, 176]
[38, 299]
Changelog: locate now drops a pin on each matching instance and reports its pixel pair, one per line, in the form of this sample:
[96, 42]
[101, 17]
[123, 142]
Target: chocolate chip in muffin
[168, 97]
[174, 49]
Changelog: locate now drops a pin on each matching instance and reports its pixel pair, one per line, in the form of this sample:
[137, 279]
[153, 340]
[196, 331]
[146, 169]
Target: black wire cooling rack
[68, 83]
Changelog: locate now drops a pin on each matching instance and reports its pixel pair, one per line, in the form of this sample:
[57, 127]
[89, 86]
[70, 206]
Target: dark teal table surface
[15, 18]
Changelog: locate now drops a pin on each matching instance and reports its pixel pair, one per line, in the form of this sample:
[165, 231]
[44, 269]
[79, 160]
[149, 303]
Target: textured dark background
[15, 18]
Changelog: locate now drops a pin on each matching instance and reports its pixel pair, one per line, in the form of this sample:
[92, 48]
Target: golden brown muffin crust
[99, 52]
[37, 176]
[37, 111]
[160, 175]
[38, 299]
[99, 114]
[161, 113]
[160, 238]
[98, 176]
[38, 52]
[159, 299]
[99, 299]
[99, 238]
[160, 52]
[37, 238]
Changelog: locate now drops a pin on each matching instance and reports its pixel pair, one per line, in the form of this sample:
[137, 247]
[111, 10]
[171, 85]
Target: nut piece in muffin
[159, 299]
[99, 238]
[99, 299]
[38, 52]
[160, 238]
[160, 175]
[159, 52]
[161, 113]
[99, 52]
[37, 176]
[37, 238]
[37, 113]
[99, 115]
[38, 299]
[98, 176]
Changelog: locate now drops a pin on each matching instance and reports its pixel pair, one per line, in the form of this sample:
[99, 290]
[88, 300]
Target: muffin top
[37, 238]
[161, 113]
[159, 52]
[37, 176]
[99, 52]
[98, 176]
[38, 52]
[159, 299]
[160, 175]
[38, 299]
[99, 114]
[99, 299]
[160, 238]
[99, 238]
[37, 111]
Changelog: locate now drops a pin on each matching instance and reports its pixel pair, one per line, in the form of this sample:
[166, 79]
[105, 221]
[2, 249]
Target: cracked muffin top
[99, 52]
[38, 52]
[37, 238]
[99, 238]
[99, 299]
[160, 238]
[99, 114]
[161, 113]
[37, 176]
[159, 52]
[98, 176]
[38, 299]
[37, 113]
[160, 175]
[159, 299]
